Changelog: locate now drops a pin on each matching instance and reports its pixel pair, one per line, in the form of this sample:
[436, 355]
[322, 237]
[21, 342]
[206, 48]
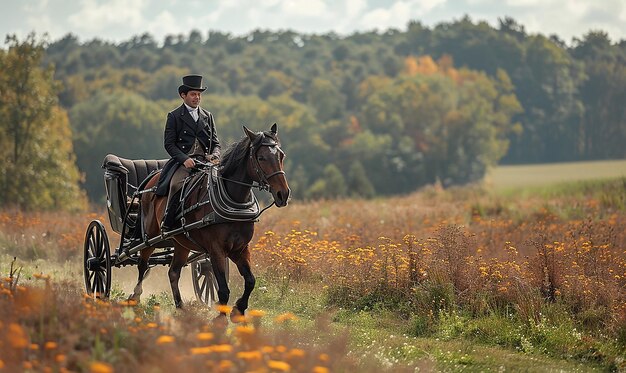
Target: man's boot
[169, 219]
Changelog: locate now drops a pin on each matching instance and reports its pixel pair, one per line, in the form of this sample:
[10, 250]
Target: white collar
[189, 108]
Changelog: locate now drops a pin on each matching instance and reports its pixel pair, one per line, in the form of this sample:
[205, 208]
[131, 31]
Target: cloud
[93, 17]
[398, 14]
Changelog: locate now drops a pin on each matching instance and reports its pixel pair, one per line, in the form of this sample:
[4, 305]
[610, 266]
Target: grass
[520, 176]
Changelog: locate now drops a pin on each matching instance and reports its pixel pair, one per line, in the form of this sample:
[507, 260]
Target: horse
[257, 157]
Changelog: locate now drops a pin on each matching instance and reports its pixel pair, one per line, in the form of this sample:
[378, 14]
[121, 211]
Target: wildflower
[17, 338]
[222, 308]
[151, 325]
[324, 357]
[222, 348]
[201, 350]
[285, 317]
[278, 365]
[206, 336]
[164, 339]
[319, 369]
[256, 313]
[50, 345]
[296, 353]
[60, 358]
[100, 367]
[244, 330]
[226, 364]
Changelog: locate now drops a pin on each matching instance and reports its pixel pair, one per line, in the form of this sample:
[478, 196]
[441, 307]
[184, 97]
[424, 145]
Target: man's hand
[214, 159]
[189, 163]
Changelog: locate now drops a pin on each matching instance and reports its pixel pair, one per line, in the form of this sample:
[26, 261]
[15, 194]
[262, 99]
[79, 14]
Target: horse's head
[266, 163]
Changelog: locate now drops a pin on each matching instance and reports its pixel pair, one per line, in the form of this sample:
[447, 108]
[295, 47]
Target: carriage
[217, 223]
[123, 179]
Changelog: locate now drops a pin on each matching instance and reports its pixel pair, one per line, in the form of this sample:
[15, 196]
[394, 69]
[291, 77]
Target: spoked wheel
[97, 261]
[204, 284]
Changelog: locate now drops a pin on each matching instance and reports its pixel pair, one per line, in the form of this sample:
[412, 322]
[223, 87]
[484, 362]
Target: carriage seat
[122, 177]
[135, 170]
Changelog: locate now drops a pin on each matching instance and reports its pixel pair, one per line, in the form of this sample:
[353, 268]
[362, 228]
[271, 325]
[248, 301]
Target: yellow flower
[222, 348]
[278, 365]
[60, 358]
[206, 336]
[50, 345]
[319, 369]
[201, 350]
[151, 325]
[164, 339]
[222, 308]
[285, 317]
[100, 367]
[256, 313]
[244, 330]
[296, 352]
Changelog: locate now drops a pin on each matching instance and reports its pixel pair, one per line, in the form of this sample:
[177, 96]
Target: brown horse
[257, 157]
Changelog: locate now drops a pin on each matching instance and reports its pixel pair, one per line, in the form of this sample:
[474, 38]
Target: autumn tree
[38, 171]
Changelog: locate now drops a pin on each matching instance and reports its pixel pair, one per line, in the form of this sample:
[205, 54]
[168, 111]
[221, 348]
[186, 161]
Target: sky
[120, 20]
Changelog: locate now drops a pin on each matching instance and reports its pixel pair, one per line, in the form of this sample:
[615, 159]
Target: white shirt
[193, 112]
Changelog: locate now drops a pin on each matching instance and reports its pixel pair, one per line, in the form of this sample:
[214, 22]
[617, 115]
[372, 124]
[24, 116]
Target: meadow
[476, 278]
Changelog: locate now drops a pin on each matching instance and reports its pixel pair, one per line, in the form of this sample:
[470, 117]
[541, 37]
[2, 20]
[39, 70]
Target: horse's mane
[236, 152]
[234, 155]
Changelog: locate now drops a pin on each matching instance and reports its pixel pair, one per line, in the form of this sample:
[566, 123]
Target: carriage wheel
[97, 261]
[204, 284]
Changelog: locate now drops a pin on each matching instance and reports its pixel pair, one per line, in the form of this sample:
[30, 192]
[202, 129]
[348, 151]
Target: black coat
[181, 132]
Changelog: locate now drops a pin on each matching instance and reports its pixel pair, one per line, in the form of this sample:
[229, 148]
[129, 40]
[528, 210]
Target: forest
[367, 114]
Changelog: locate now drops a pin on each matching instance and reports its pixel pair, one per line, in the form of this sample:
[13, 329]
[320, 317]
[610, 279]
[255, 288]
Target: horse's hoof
[237, 316]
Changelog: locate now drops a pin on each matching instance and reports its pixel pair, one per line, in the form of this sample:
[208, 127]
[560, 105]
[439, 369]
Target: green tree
[331, 185]
[358, 183]
[38, 171]
[124, 124]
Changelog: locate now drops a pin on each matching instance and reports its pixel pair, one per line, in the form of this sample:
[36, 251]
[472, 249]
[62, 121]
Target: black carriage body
[122, 178]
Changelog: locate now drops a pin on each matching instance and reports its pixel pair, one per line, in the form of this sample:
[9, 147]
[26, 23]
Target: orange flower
[50, 345]
[319, 369]
[164, 339]
[204, 336]
[17, 338]
[222, 308]
[278, 365]
[285, 317]
[100, 367]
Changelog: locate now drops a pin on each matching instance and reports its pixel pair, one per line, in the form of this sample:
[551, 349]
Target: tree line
[372, 113]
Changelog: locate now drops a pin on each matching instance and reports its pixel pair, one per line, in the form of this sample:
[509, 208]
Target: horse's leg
[178, 262]
[143, 271]
[218, 263]
[243, 265]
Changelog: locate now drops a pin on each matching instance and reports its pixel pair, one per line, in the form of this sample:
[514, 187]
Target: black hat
[191, 83]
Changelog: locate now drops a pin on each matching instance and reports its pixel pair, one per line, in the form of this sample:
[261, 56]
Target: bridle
[263, 140]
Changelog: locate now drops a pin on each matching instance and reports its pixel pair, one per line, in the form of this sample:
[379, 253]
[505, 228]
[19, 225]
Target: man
[190, 136]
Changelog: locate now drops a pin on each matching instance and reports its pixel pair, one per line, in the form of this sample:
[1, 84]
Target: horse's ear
[251, 135]
[274, 129]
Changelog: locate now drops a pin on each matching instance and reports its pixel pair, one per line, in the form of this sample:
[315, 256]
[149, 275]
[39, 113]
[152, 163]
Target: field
[495, 278]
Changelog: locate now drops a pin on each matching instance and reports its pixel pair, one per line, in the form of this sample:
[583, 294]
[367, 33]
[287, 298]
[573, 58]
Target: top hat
[191, 83]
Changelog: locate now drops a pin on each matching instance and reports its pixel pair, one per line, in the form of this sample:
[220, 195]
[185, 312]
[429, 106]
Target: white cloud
[398, 15]
[92, 17]
[311, 8]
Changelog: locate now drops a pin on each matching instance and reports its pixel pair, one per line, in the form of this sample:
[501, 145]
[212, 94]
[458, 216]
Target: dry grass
[433, 258]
